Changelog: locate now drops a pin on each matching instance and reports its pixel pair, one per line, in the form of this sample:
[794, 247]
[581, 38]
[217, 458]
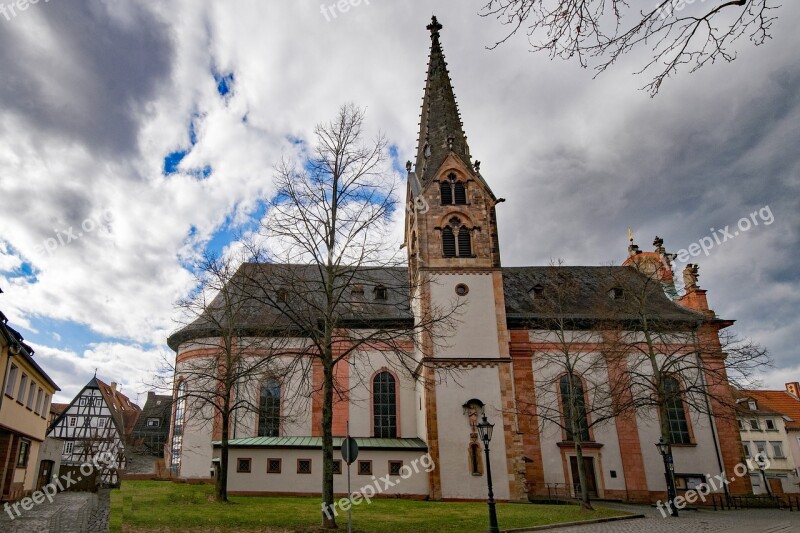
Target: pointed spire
[441, 131]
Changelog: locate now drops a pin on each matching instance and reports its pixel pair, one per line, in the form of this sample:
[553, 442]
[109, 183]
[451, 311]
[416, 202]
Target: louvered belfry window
[464, 242]
[448, 242]
[447, 193]
[460, 193]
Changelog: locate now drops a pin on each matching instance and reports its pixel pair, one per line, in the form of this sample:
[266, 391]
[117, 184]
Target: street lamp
[665, 450]
[485, 432]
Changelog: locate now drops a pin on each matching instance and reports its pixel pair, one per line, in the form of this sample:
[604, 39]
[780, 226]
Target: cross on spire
[434, 27]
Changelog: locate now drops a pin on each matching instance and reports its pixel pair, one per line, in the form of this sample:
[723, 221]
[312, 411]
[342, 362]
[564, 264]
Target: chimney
[114, 386]
[793, 388]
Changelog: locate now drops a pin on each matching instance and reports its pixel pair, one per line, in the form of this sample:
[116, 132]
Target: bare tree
[573, 392]
[599, 32]
[237, 353]
[333, 273]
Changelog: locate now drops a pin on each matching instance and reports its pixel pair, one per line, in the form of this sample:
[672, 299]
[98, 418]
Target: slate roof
[364, 443]
[12, 337]
[156, 406]
[358, 311]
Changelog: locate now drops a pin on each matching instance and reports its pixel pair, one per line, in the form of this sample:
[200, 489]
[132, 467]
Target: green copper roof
[364, 443]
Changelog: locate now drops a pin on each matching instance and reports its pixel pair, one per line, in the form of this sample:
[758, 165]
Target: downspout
[710, 416]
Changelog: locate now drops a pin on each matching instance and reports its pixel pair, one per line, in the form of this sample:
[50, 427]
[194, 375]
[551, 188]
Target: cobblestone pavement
[70, 512]
[741, 521]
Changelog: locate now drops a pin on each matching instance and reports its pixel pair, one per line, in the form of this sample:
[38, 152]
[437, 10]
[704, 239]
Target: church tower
[454, 256]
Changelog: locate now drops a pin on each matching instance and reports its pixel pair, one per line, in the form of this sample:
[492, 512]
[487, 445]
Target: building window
[39, 396]
[537, 292]
[395, 467]
[676, 414]
[23, 386]
[761, 448]
[573, 406]
[453, 192]
[177, 427]
[337, 466]
[101, 422]
[365, 468]
[269, 409]
[73, 421]
[380, 292]
[462, 289]
[68, 447]
[475, 459]
[46, 406]
[384, 405]
[746, 448]
[243, 466]
[31, 395]
[616, 293]
[153, 422]
[752, 405]
[304, 466]
[456, 246]
[754, 425]
[12, 380]
[777, 450]
[24, 450]
[357, 290]
[740, 424]
[282, 296]
[273, 466]
[770, 424]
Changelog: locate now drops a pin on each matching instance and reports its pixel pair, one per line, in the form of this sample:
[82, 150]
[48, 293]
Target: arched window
[676, 414]
[384, 405]
[269, 409]
[459, 193]
[448, 242]
[447, 193]
[177, 428]
[573, 406]
[464, 242]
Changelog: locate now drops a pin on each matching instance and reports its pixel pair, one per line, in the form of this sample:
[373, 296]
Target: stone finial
[658, 242]
[408, 166]
[690, 276]
[434, 27]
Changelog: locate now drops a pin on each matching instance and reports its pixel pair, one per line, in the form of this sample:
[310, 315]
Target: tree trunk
[222, 479]
[328, 516]
[586, 503]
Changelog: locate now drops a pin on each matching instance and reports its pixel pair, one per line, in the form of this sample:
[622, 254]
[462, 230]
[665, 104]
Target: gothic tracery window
[676, 414]
[453, 191]
[573, 405]
[269, 409]
[456, 239]
[384, 405]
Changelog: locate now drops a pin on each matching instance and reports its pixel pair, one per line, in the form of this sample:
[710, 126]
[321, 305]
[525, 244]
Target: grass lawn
[153, 506]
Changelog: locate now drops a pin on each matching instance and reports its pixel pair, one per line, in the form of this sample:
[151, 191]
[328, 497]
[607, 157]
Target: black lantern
[665, 449]
[485, 432]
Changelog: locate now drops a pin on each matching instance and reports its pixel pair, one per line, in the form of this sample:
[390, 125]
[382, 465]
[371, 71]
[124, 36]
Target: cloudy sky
[134, 135]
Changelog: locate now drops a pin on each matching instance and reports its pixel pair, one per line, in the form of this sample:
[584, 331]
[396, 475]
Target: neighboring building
[770, 423]
[399, 417]
[100, 419]
[55, 410]
[24, 409]
[151, 431]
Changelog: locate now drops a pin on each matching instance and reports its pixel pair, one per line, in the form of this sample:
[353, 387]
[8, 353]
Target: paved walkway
[70, 512]
[741, 521]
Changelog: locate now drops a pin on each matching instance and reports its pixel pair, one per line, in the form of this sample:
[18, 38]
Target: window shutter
[448, 242]
[447, 193]
[461, 194]
[464, 243]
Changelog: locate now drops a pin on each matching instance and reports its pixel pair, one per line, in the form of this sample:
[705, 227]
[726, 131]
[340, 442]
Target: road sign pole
[349, 494]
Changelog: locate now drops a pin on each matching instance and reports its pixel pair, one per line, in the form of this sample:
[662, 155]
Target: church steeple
[441, 132]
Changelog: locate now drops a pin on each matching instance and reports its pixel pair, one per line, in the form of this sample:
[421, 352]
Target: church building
[420, 418]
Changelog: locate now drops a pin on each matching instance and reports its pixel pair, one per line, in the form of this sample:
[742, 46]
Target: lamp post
[665, 450]
[485, 432]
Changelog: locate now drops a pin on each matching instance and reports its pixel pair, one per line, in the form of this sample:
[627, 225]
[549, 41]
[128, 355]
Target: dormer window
[358, 290]
[380, 292]
[453, 192]
[282, 296]
[616, 293]
[752, 405]
[537, 292]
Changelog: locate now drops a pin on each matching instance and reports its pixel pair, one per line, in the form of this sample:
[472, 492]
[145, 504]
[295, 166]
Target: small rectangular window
[39, 396]
[754, 424]
[68, 447]
[337, 466]
[761, 448]
[73, 421]
[777, 450]
[101, 422]
[770, 424]
[740, 424]
[24, 450]
[31, 395]
[380, 293]
[153, 422]
[365, 468]
[746, 448]
[273, 466]
[46, 406]
[12, 380]
[243, 466]
[304, 466]
[23, 386]
[395, 467]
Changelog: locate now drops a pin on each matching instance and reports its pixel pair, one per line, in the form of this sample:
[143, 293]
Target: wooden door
[775, 486]
[591, 480]
[45, 473]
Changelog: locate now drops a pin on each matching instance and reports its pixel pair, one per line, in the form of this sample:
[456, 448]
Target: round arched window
[462, 289]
